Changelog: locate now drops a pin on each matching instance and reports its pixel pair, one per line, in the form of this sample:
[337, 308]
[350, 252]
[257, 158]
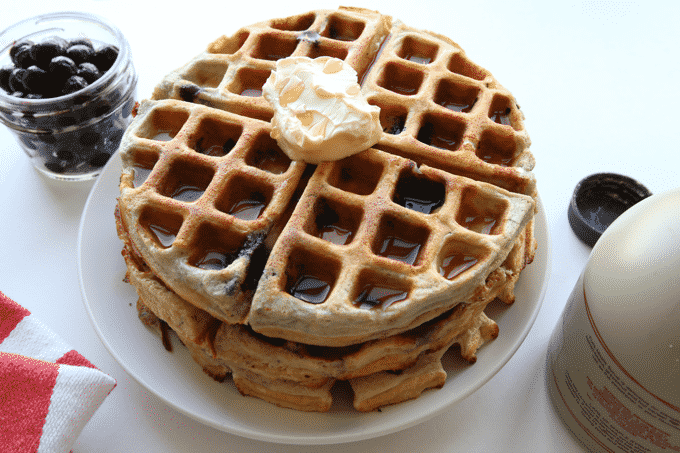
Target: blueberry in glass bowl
[67, 90]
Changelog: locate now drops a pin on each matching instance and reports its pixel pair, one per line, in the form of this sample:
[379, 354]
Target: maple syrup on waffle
[497, 158]
[501, 116]
[464, 107]
[330, 228]
[310, 289]
[417, 58]
[429, 136]
[455, 264]
[141, 174]
[213, 260]
[164, 235]
[479, 223]
[187, 193]
[395, 124]
[425, 206]
[335, 234]
[215, 150]
[270, 160]
[419, 194]
[401, 88]
[248, 209]
[398, 249]
[374, 296]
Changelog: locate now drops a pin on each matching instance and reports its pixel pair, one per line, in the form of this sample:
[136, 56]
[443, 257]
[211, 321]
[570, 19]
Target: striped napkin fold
[48, 391]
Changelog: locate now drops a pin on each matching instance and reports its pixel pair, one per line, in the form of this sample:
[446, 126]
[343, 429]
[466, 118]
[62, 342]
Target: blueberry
[65, 154]
[88, 71]
[5, 74]
[16, 80]
[43, 52]
[18, 45]
[81, 42]
[67, 120]
[35, 80]
[105, 57]
[60, 166]
[89, 138]
[73, 84]
[44, 85]
[24, 57]
[189, 92]
[102, 109]
[79, 53]
[47, 138]
[99, 159]
[17, 52]
[62, 68]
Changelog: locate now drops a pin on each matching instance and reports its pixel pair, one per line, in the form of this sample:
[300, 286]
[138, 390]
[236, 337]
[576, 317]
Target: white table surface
[598, 83]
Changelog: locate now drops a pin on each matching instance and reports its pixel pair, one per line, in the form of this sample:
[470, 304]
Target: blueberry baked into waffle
[290, 276]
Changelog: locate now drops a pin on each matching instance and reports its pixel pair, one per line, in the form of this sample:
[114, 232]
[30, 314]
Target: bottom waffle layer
[299, 376]
[253, 377]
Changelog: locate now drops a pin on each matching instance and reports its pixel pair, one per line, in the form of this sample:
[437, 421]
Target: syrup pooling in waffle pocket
[359, 250]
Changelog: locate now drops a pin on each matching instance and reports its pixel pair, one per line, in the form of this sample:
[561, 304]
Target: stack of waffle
[290, 276]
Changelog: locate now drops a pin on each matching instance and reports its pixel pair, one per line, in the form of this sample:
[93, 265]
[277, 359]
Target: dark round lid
[600, 199]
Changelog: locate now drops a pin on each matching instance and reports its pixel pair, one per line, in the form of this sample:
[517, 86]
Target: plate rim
[544, 251]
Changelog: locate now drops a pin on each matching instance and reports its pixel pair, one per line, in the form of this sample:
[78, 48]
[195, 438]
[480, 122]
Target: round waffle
[348, 251]
[273, 257]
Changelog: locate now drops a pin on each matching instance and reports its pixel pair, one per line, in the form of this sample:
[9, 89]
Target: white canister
[613, 362]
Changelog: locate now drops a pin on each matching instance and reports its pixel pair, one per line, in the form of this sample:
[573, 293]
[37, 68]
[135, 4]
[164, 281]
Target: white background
[598, 84]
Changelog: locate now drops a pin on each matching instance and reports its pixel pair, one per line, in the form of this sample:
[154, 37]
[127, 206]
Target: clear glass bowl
[71, 137]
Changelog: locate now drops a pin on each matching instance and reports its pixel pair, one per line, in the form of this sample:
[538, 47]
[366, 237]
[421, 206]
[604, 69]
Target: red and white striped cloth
[48, 391]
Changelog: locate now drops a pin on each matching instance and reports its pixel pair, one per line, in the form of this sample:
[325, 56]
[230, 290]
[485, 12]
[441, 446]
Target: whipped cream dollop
[320, 113]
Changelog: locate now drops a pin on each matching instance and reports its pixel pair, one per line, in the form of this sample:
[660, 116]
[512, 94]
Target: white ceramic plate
[177, 380]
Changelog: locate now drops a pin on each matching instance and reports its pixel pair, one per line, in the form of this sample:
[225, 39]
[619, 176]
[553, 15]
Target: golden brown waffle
[269, 257]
